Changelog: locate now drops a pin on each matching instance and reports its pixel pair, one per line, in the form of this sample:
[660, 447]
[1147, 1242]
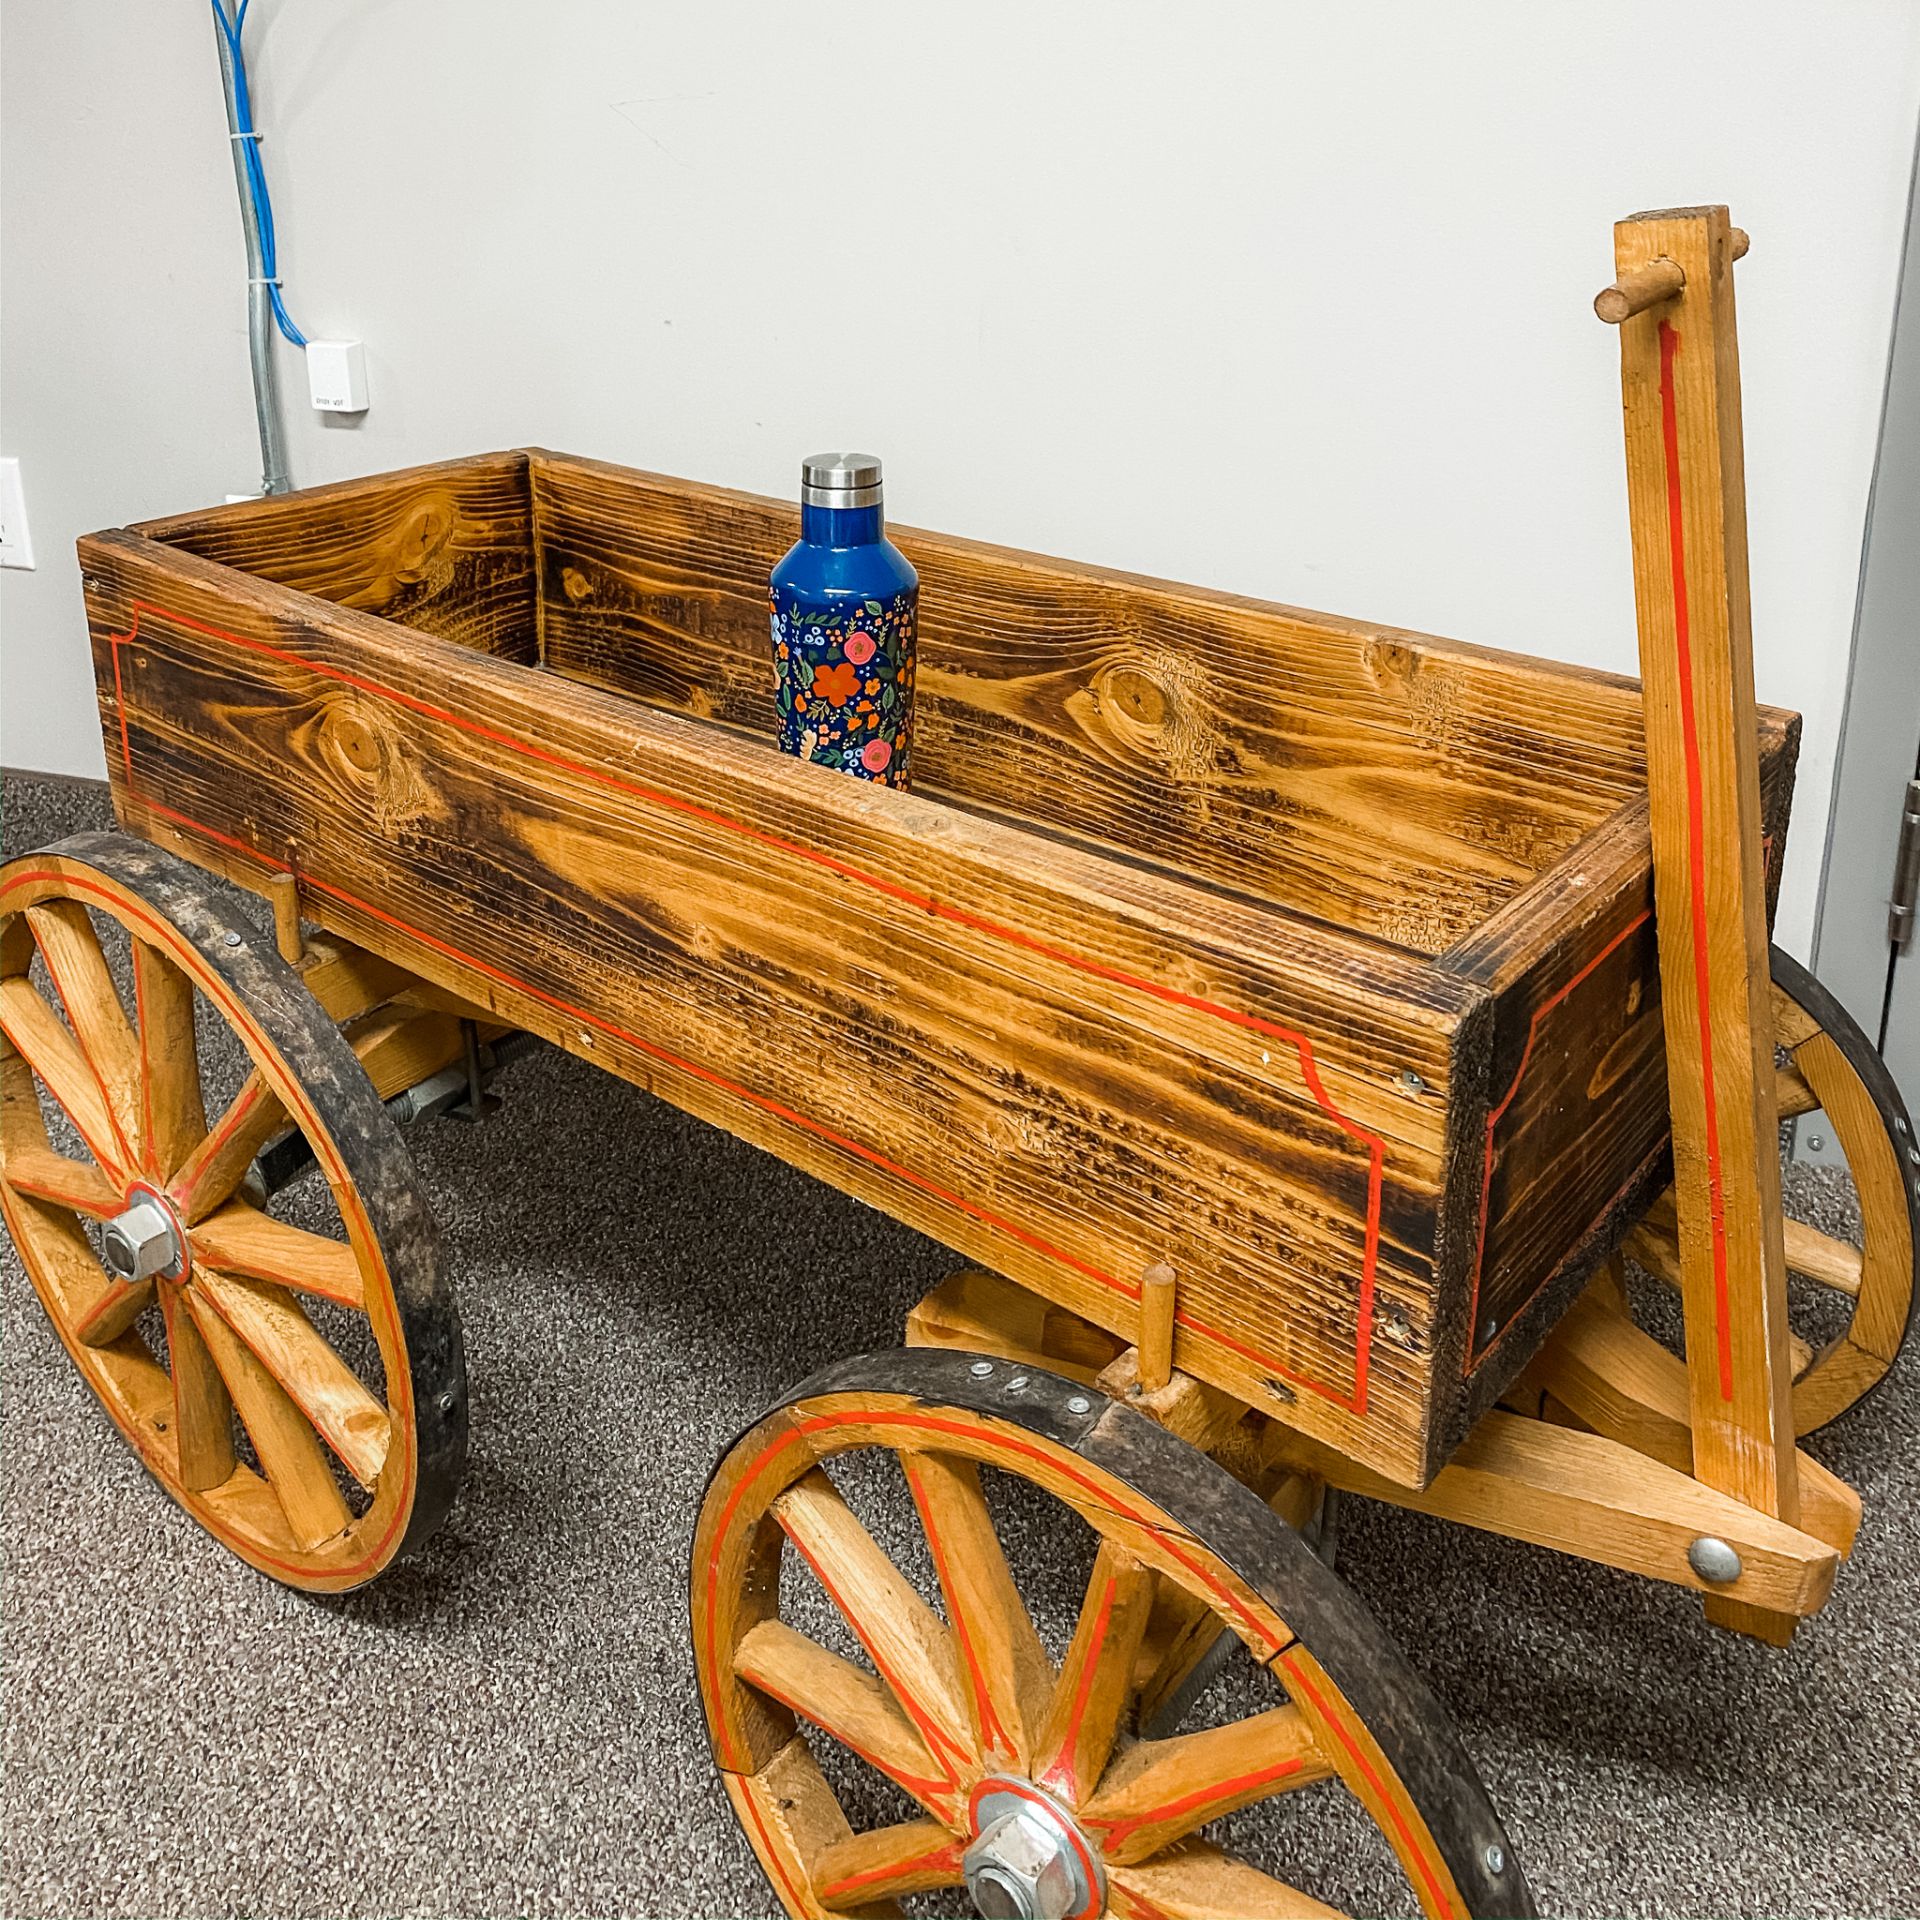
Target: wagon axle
[144, 1241]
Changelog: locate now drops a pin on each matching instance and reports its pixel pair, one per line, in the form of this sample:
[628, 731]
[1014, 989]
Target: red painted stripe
[1353, 1401]
[1696, 851]
[945, 1859]
[203, 1155]
[1443, 1899]
[1475, 1352]
[794, 1898]
[1063, 1777]
[1220, 1792]
[920, 1716]
[128, 1158]
[992, 1733]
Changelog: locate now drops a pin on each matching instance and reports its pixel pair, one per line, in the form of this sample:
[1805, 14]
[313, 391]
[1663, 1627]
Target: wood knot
[1135, 695]
[422, 538]
[351, 740]
[575, 585]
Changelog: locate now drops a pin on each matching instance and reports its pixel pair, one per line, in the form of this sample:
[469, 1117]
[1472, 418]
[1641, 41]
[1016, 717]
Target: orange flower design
[836, 685]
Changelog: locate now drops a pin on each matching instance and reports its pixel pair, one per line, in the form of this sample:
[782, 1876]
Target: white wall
[1291, 299]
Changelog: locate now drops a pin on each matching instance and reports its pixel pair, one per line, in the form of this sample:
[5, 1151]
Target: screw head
[1714, 1561]
[233, 940]
[1079, 1404]
[1017, 1384]
[1496, 1858]
[1816, 1143]
[447, 1402]
[1412, 1081]
[981, 1369]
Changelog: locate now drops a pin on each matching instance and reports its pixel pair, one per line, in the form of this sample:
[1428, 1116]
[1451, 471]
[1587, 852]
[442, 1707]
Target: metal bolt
[1412, 1081]
[448, 1402]
[1017, 1384]
[1714, 1561]
[1496, 1858]
[1028, 1860]
[980, 1369]
[1913, 1154]
[1079, 1404]
[1900, 1126]
[1489, 1327]
[233, 940]
[140, 1242]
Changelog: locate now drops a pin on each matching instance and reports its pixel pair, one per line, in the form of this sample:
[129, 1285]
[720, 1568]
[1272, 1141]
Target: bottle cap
[840, 480]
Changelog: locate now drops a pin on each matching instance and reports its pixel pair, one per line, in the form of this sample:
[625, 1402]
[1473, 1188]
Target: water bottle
[843, 603]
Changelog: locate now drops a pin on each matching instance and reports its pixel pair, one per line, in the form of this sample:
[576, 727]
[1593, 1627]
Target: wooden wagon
[1268, 1007]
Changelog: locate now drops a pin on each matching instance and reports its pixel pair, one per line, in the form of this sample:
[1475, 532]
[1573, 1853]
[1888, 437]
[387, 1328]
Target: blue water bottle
[843, 604]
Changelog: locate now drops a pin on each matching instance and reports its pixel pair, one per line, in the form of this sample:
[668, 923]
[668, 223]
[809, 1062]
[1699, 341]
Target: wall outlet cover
[16, 544]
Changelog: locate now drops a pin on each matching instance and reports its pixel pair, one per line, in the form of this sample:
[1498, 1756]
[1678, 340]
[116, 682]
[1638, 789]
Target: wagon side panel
[1063, 1067]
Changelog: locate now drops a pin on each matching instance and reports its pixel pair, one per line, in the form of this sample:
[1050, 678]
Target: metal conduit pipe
[266, 394]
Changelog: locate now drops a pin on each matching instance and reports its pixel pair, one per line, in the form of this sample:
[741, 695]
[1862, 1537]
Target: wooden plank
[445, 548]
[1589, 1496]
[1057, 1063]
[1623, 1383]
[1680, 386]
[1254, 745]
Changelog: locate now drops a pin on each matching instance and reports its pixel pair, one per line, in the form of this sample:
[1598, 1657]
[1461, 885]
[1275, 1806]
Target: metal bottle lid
[840, 480]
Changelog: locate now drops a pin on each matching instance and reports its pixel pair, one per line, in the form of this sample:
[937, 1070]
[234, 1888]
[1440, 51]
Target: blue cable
[232, 26]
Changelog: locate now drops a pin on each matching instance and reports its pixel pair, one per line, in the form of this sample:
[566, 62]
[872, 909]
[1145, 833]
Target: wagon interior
[1369, 779]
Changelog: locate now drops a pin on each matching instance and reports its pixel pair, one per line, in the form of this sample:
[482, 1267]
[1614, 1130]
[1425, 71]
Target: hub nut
[140, 1243]
[1028, 1862]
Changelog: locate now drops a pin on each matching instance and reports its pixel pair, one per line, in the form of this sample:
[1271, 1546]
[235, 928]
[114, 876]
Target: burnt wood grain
[1071, 1010]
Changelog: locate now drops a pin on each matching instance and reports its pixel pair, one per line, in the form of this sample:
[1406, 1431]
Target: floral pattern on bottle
[843, 684]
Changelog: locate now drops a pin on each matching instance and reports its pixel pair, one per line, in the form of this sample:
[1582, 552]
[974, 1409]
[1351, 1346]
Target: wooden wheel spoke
[213, 1170]
[295, 1466]
[1158, 1791]
[241, 1240]
[308, 1371]
[111, 1311]
[1819, 1257]
[1094, 1686]
[1199, 1882]
[888, 1864]
[1792, 1094]
[47, 1175]
[1008, 1676]
[172, 1109]
[903, 1637]
[80, 976]
[202, 1407]
[42, 1040]
[852, 1706]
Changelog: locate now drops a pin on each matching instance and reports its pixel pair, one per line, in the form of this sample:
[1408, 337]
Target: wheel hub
[1028, 1860]
[144, 1240]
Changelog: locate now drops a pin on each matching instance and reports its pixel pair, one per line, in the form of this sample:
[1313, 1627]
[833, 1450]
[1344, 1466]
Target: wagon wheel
[1031, 1790]
[183, 1304]
[1831, 1066]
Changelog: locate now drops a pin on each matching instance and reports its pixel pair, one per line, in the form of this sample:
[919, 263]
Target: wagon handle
[1646, 286]
[1672, 298]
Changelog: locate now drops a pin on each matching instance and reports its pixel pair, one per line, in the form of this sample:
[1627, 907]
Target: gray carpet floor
[508, 1723]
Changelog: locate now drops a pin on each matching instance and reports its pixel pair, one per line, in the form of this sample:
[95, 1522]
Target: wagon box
[1313, 960]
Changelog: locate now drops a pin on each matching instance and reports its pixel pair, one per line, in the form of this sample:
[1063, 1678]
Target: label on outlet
[16, 544]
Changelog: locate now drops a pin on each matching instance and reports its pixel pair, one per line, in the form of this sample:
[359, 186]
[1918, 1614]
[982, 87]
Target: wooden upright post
[1686, 489]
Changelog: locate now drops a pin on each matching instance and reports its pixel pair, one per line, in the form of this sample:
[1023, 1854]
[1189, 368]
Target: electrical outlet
[16, 544]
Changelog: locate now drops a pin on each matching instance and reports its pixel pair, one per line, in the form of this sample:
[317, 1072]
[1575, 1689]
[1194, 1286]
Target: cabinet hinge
[1906, 872]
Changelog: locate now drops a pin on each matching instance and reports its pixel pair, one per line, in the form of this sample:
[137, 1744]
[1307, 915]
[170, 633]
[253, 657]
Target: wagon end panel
[1576, 1140]
[447, 549]
[1064, 1067]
